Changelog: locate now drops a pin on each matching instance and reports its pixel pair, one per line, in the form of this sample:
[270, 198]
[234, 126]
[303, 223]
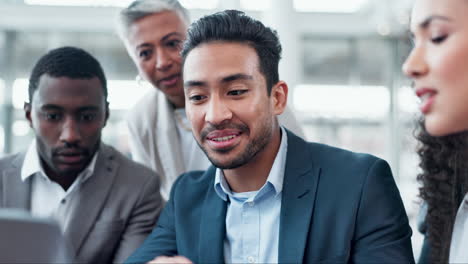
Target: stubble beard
[255, 146]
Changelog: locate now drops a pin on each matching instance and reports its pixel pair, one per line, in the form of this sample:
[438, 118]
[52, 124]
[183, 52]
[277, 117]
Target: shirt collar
[275, 177]
[32, 165]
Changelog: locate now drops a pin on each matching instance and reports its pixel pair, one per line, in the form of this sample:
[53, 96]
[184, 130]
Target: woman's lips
[427, 97]
[169, 81]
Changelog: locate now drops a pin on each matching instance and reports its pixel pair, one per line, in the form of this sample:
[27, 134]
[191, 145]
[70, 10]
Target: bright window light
[21, 128]
[329, 6]
[199, 4]
[20, 92]
[408, 102]
[120, 3]
[122, 94]
[190, 4]
[334, 101]
[2, 140]
[257, 5]
[2, 90]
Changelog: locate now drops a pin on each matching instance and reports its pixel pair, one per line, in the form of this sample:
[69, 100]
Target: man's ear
[27, 112]
[279, 97]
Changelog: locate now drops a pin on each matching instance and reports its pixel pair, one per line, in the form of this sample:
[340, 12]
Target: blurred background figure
[160, 133]
[342, 60]
[438, 65]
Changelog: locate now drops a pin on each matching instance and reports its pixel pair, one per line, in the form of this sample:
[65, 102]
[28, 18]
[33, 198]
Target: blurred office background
[341, 58]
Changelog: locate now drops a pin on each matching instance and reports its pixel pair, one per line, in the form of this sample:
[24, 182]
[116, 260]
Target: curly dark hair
[444, 179]
[71, 62]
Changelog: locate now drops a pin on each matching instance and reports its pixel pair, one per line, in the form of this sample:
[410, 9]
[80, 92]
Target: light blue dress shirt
[252, 218]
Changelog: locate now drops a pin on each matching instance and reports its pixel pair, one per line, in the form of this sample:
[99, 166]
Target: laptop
[28, 239]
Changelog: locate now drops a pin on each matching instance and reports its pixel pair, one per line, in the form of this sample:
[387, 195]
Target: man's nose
[70, 131]
[217, 111]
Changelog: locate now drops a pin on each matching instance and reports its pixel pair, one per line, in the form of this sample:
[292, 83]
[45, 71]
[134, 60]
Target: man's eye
[52, 116]
[87, 117]
[237, 92]
[196, 98]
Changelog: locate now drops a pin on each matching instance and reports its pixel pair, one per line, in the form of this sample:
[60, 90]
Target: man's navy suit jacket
[337, 207]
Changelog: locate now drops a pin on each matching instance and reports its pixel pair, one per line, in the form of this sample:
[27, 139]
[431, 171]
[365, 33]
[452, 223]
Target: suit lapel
[16, 193]
[212, 226]
[92, 197]
[299, 188]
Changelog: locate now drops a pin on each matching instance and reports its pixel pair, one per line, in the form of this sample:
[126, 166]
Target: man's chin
[70, 169]
[227, 164]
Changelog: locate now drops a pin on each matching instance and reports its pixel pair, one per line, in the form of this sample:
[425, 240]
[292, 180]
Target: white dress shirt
[48, 198]
[459, 245]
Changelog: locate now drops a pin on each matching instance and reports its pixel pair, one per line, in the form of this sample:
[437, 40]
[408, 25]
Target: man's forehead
[64, 88]
[217, 60]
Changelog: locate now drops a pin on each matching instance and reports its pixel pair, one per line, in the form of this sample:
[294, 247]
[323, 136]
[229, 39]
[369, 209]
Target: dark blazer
[114, 211]
[425, 254]
[337, 207]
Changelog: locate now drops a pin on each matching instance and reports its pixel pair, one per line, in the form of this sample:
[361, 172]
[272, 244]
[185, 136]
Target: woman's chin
[439, 129]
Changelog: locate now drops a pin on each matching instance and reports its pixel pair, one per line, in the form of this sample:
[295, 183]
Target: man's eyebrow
[51, 107]
[235, 77]
[59, 108]
[88, 108]
[227, 79]
[189, 84]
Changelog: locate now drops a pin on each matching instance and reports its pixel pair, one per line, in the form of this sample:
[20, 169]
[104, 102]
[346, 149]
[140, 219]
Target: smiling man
[270, 196]
[105, 203]
[160, 133]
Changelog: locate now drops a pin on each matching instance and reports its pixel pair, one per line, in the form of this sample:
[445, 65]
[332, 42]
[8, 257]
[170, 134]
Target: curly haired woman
[438, 65]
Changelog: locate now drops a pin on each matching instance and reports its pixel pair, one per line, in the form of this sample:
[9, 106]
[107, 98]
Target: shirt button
[63, 201]
[251, 259]
[251, 204]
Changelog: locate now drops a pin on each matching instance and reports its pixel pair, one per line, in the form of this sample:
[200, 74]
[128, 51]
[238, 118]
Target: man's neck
[65, 181]
[253, 175]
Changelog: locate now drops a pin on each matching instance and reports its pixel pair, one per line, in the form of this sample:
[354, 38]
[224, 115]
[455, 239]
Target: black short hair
[71, 62]
[236, 26]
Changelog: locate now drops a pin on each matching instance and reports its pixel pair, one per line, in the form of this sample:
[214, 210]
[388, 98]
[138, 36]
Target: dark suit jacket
[114, 211]
[425, 254]
[337, 207]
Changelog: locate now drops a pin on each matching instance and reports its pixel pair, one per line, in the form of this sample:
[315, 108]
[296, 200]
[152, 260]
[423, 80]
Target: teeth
[224, 138]
[426, 96]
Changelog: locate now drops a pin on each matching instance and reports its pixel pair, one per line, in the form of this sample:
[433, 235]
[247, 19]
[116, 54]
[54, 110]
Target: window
[2, 91]
[329, 6]
[342, 101]
[257, 5]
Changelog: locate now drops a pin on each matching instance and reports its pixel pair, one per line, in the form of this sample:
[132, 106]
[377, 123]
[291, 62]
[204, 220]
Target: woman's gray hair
[139, 9]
